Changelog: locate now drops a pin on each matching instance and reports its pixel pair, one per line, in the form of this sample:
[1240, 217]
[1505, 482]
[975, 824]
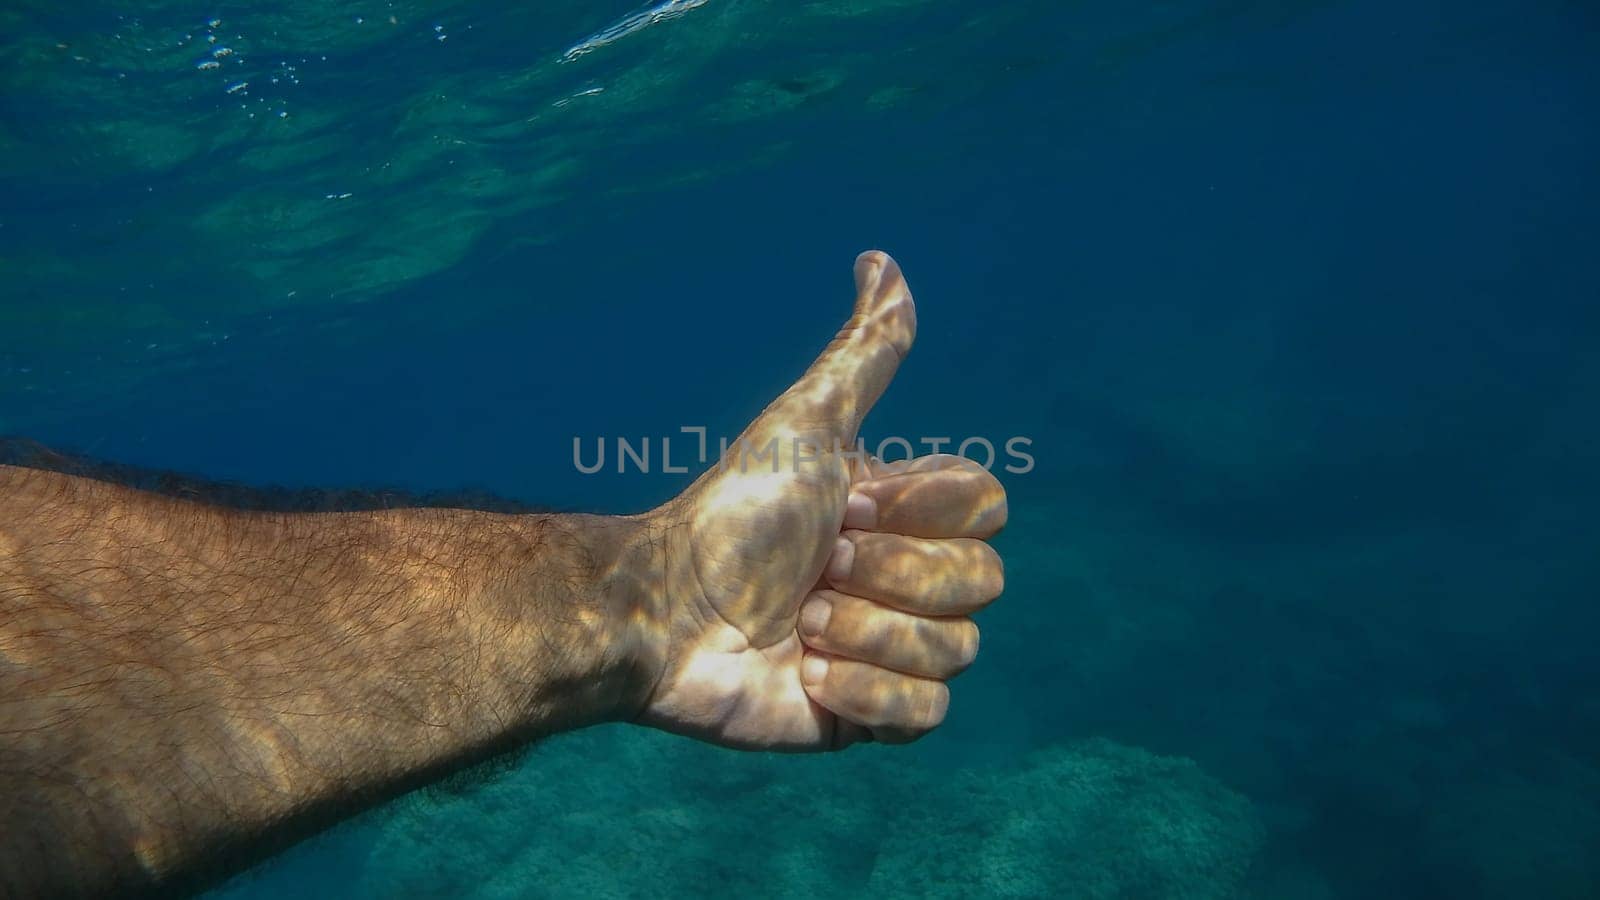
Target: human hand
[815, 598]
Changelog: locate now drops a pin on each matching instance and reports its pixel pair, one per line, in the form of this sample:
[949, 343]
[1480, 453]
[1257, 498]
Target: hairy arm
[185, 688]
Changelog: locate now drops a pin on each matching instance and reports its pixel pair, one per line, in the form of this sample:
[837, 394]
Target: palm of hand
[792, 521]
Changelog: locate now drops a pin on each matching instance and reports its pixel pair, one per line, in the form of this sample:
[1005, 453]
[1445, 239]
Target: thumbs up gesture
[813, 597]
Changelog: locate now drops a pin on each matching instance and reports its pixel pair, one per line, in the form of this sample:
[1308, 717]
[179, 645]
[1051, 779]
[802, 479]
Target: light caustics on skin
[644, 18]
[816, 599]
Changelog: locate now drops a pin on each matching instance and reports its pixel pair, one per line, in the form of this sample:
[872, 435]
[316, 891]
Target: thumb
[829, 401]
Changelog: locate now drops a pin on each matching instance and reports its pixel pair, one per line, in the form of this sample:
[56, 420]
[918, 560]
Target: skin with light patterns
[186, 687]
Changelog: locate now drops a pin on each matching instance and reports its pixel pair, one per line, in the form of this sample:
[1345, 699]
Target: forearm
[182, 682]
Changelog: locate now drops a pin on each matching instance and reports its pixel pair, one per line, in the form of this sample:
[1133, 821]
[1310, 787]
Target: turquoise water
[1296, 302]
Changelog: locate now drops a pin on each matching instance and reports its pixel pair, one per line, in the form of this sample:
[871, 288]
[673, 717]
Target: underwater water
[1295, 301]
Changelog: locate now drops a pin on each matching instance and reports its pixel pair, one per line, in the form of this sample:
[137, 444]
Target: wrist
[632, 595]
[587, 601]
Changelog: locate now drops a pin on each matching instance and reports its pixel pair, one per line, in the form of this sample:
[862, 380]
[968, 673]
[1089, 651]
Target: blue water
[1295, 301]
